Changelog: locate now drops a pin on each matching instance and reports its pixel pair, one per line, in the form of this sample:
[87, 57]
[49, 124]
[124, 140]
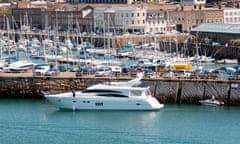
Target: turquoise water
[39, 122]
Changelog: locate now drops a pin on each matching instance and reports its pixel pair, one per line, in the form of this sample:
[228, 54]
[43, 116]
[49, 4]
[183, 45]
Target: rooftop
[218, 28]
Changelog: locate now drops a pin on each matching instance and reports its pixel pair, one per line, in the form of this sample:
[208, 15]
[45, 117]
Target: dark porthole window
[99, 104]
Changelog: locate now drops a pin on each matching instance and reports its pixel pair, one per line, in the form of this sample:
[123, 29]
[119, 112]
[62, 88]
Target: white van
[183, 73]
[41, 69]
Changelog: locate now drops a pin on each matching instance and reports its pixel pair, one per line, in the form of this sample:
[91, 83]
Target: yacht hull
[103, 103]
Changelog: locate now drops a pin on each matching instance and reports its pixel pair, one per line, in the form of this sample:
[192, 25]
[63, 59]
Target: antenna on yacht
[140, 75]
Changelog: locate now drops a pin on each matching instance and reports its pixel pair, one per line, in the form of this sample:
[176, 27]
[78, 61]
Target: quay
[167, 90]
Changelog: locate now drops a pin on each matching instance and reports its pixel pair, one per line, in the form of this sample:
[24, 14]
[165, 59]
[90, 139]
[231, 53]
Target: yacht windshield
[147, 92]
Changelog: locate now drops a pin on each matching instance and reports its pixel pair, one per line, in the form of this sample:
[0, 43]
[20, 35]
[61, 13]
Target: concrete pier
[174, 91]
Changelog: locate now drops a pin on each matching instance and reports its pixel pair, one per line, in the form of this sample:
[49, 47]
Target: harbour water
[39, 122]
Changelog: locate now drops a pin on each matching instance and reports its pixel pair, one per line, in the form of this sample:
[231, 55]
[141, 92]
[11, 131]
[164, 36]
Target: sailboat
[19, 65]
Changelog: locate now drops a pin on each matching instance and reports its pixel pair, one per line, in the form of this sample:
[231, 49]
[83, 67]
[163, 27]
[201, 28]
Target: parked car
[125, 71]
[148, 72]
[52, 72]
[85, 71]
[200, 74]
[62, 68]
[235, 76]
[168, 74]
[116, 69]
[217, 74]
[41, 69]
[183, 73]
[73, 69]
[104, 71]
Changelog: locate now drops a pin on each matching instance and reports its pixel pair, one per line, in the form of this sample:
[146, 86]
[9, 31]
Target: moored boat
[130, 95]
[212, 102]
[19, 66]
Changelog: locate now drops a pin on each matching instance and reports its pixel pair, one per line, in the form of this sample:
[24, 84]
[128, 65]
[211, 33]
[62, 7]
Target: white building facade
[231, 16]
[129, 19]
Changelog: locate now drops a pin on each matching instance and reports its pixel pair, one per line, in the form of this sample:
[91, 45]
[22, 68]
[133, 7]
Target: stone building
[27, 16]
[55, 16]
[100, 1]
[70, 18]
[140, 18]
[186, 19]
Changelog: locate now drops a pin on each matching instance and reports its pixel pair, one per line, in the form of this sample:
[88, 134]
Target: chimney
[219, 6]
[182, 7]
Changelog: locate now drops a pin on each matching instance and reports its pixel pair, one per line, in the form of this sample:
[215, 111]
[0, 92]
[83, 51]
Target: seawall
[174, 91]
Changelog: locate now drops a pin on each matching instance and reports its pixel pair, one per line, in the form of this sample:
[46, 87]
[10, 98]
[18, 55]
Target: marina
[119, 72]
[174, 64]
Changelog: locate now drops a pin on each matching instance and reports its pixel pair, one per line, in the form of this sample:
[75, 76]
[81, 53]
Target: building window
[143, 21]
[143, 14]
[138, 21]
[138, 14]
[132, 21]
[126, 14]
[132, 14]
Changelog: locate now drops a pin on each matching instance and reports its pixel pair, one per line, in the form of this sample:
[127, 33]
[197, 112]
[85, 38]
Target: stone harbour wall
[174, 91]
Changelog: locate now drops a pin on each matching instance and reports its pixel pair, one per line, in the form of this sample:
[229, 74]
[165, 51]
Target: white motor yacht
[19, 66]
[130, 95]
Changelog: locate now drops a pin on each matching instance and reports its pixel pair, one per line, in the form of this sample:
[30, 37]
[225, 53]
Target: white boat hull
[103, 103]
[210, 102]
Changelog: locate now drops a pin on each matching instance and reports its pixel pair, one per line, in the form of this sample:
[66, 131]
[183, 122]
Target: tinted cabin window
[136, 93]
[100, 91]
[113, 95]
